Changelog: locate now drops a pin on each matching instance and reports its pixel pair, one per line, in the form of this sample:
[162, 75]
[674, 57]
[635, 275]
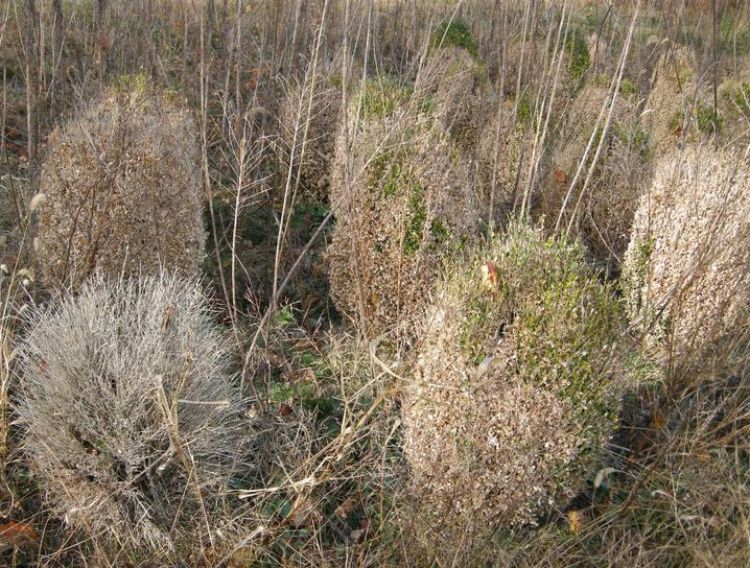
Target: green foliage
[739, 96]
[381, 97]
[572, 316]
[479, 317]
[386, 171]
[710, 120]
[455, 33]
[138, 84]
[389, 171]
[440, 233]
[580, 60]
[733, 39]
[285, 317]
[628, 88]
[564, 320]
[524, 112]
[415, 220]
[638, 139]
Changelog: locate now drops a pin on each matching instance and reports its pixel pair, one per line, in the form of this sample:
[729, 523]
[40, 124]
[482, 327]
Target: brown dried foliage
[410, 203]
[123, 191]
[686, 268]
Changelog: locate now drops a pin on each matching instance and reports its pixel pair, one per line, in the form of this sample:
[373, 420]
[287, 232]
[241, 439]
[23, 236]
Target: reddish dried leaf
[285, 410]
[490, 275]
[17, 533]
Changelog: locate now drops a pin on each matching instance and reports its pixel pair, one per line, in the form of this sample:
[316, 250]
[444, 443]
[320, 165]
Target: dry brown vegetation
[374, 283]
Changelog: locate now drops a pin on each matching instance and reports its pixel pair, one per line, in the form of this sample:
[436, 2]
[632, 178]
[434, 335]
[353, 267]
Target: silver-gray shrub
[129, 409]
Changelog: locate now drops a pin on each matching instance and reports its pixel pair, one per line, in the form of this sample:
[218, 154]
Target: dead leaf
[576, 520]
[560, 177]
[285, 409]
[18, 533]
[169, 315]
[343, 510]
[489, 274]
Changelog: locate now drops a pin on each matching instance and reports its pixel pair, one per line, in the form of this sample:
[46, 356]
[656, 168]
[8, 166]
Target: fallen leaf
[560, 177]
[576, 520]
[285, 409]
[489, 274]
[18, 533]
[343, 510]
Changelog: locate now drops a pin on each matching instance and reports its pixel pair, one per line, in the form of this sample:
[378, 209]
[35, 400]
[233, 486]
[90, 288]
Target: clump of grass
[381, 97]
[709, 119]
[516, 380]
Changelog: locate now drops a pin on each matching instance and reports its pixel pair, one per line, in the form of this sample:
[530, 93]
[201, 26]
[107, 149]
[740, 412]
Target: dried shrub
[686, 268]
[515, 387]
[504, 156]
[680, 104]
[130, 414]
[123, 190]
[309, 117]
[459, 90]
[458, 81]
[408, 204]
[604, 212]
[734, 100]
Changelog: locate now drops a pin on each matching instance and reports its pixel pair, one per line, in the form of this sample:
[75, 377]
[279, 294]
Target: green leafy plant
[455, 33]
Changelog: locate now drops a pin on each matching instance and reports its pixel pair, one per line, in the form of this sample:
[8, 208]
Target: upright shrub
[459, 88]
[458, 82]
[604, 212]
[515, 389]
[123, 189]
[686, 268]
[309, 117]
[404, 205]
[130, 415]
[579, 60]
[504, 158]
[680, 104]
